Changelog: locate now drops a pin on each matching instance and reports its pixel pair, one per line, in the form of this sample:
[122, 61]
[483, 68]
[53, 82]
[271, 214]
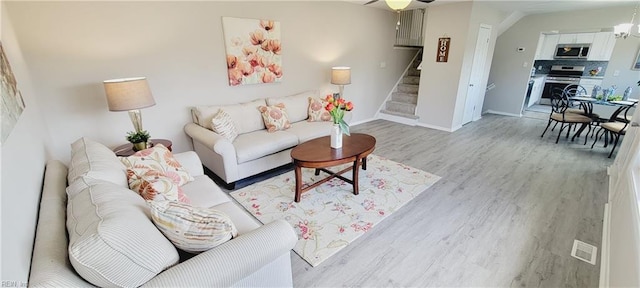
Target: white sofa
[258, 256]
[254, 150]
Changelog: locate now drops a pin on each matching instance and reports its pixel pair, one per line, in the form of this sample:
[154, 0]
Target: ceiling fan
[423, 1]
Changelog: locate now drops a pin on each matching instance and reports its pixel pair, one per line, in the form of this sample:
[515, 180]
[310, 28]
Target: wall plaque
[443, 49]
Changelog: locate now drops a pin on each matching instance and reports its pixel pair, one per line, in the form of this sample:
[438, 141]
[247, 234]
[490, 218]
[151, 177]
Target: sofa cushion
[306, 131]
[275, 117]
[203, 192]
[244, 222]
[223, 125]
[94, 160]
[192, 229]
[296, 104]
[261, 143]
[317, 111]
[112, 241]
[245, 116]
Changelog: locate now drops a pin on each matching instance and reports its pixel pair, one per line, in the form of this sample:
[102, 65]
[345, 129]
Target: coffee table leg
[364, 163]
[317, 171]
[355, 176]
[298, 183]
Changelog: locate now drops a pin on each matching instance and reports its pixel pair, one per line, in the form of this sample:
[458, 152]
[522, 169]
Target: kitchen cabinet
[536, 90]
[588, 84]
[573, 38]
[602, 47]
[547, 46]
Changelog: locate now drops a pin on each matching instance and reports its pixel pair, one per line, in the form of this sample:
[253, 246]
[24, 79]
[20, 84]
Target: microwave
[572, 51]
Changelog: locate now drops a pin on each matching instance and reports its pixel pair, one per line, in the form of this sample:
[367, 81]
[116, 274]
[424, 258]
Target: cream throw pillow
[275, 117]
[192, 229]
[222, 124]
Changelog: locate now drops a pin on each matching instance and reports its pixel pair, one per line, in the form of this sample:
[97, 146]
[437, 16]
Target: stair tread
[401, 102]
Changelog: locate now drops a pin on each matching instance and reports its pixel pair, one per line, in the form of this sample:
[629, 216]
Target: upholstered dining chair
[560, 103]
[615, 129]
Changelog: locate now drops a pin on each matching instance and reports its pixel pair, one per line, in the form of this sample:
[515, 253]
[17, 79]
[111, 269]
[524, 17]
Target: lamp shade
[128, 94]
[398, 4]
[341, 75]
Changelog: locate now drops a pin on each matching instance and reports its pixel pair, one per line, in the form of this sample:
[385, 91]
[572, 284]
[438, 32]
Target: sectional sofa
[99, 232]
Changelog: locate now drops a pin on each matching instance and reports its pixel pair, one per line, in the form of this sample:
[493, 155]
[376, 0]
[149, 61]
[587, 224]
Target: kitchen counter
[592, 77]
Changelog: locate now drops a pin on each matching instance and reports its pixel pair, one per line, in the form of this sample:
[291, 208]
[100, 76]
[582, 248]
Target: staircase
[401, 107]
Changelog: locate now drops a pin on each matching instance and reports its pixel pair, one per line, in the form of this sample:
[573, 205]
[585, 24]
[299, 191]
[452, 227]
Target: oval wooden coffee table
[318, 154]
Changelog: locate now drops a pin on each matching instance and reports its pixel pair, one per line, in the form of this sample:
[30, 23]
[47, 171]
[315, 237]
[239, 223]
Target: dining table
[587, 102]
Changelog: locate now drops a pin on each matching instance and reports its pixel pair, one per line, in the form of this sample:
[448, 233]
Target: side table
[127, 149]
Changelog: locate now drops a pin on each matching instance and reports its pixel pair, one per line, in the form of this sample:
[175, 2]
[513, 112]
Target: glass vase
[336, 137]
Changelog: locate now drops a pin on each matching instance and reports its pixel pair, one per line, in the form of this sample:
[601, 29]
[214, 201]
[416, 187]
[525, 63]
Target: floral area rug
[330, 217]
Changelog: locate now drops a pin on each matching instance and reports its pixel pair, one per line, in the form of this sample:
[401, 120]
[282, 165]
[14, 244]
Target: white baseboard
[604, 250]
[397, 119]
[362, 121]
[435, 127]
[503, 113]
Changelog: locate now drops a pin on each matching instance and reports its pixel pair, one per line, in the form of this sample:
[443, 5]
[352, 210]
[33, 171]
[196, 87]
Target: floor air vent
[584, 252]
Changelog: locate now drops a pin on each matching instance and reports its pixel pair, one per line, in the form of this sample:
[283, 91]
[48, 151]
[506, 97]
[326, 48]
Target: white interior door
[475, 95]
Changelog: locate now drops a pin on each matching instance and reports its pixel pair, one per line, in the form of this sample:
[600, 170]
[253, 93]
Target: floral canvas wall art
[254, 50]
[12, 102]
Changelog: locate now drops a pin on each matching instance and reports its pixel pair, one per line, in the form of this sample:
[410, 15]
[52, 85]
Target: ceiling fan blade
[372, 1]
[425, 1]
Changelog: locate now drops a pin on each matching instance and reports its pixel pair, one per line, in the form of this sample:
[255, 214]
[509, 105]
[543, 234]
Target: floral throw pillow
[223, 125]
[155, 187]
[154, 171]
[275, 117]
[192, 229]
[316, 110]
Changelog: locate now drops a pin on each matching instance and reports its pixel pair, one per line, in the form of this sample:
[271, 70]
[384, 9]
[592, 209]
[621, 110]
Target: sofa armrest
[232, 261]
[220, 154]
[190, 161]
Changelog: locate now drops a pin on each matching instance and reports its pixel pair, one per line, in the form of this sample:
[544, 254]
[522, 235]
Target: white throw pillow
[112, 240]
[222, 124]
[94, 160]
[192, 229]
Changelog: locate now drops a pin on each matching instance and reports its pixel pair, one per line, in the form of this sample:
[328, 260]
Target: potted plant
[139, 139]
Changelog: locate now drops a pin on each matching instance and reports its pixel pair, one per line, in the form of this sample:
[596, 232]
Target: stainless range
[560, 77]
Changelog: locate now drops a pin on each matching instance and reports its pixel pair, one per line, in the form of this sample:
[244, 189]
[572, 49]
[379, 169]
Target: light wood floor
[505, 212]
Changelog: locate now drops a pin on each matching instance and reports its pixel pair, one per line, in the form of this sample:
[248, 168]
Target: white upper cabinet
[579, 38]
[602, 46]
[547, 46]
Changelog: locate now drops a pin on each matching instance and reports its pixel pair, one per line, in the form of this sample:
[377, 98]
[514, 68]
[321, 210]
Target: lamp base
[136, 119]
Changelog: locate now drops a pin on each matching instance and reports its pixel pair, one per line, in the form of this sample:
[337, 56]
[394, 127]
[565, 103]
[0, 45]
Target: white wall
[178, 46]
[511, 78]
[24, 154]
[443, 86]
[61, 52]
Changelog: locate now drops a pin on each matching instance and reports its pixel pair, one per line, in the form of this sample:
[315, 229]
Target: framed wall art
[12, 102]
[254, 50]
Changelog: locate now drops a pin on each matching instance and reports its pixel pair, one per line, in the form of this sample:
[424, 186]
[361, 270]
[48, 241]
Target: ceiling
[523, 6]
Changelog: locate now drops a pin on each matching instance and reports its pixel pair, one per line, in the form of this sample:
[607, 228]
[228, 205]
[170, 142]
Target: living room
[61, 52]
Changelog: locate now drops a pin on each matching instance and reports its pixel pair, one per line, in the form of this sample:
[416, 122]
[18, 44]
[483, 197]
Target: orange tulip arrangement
[336, 107]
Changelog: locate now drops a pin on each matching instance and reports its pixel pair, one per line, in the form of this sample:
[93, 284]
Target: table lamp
[341, 76]
[129, 94]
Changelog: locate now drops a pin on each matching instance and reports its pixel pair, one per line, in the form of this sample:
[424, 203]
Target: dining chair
[614, 128]
[573, 90]
[560, 103]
